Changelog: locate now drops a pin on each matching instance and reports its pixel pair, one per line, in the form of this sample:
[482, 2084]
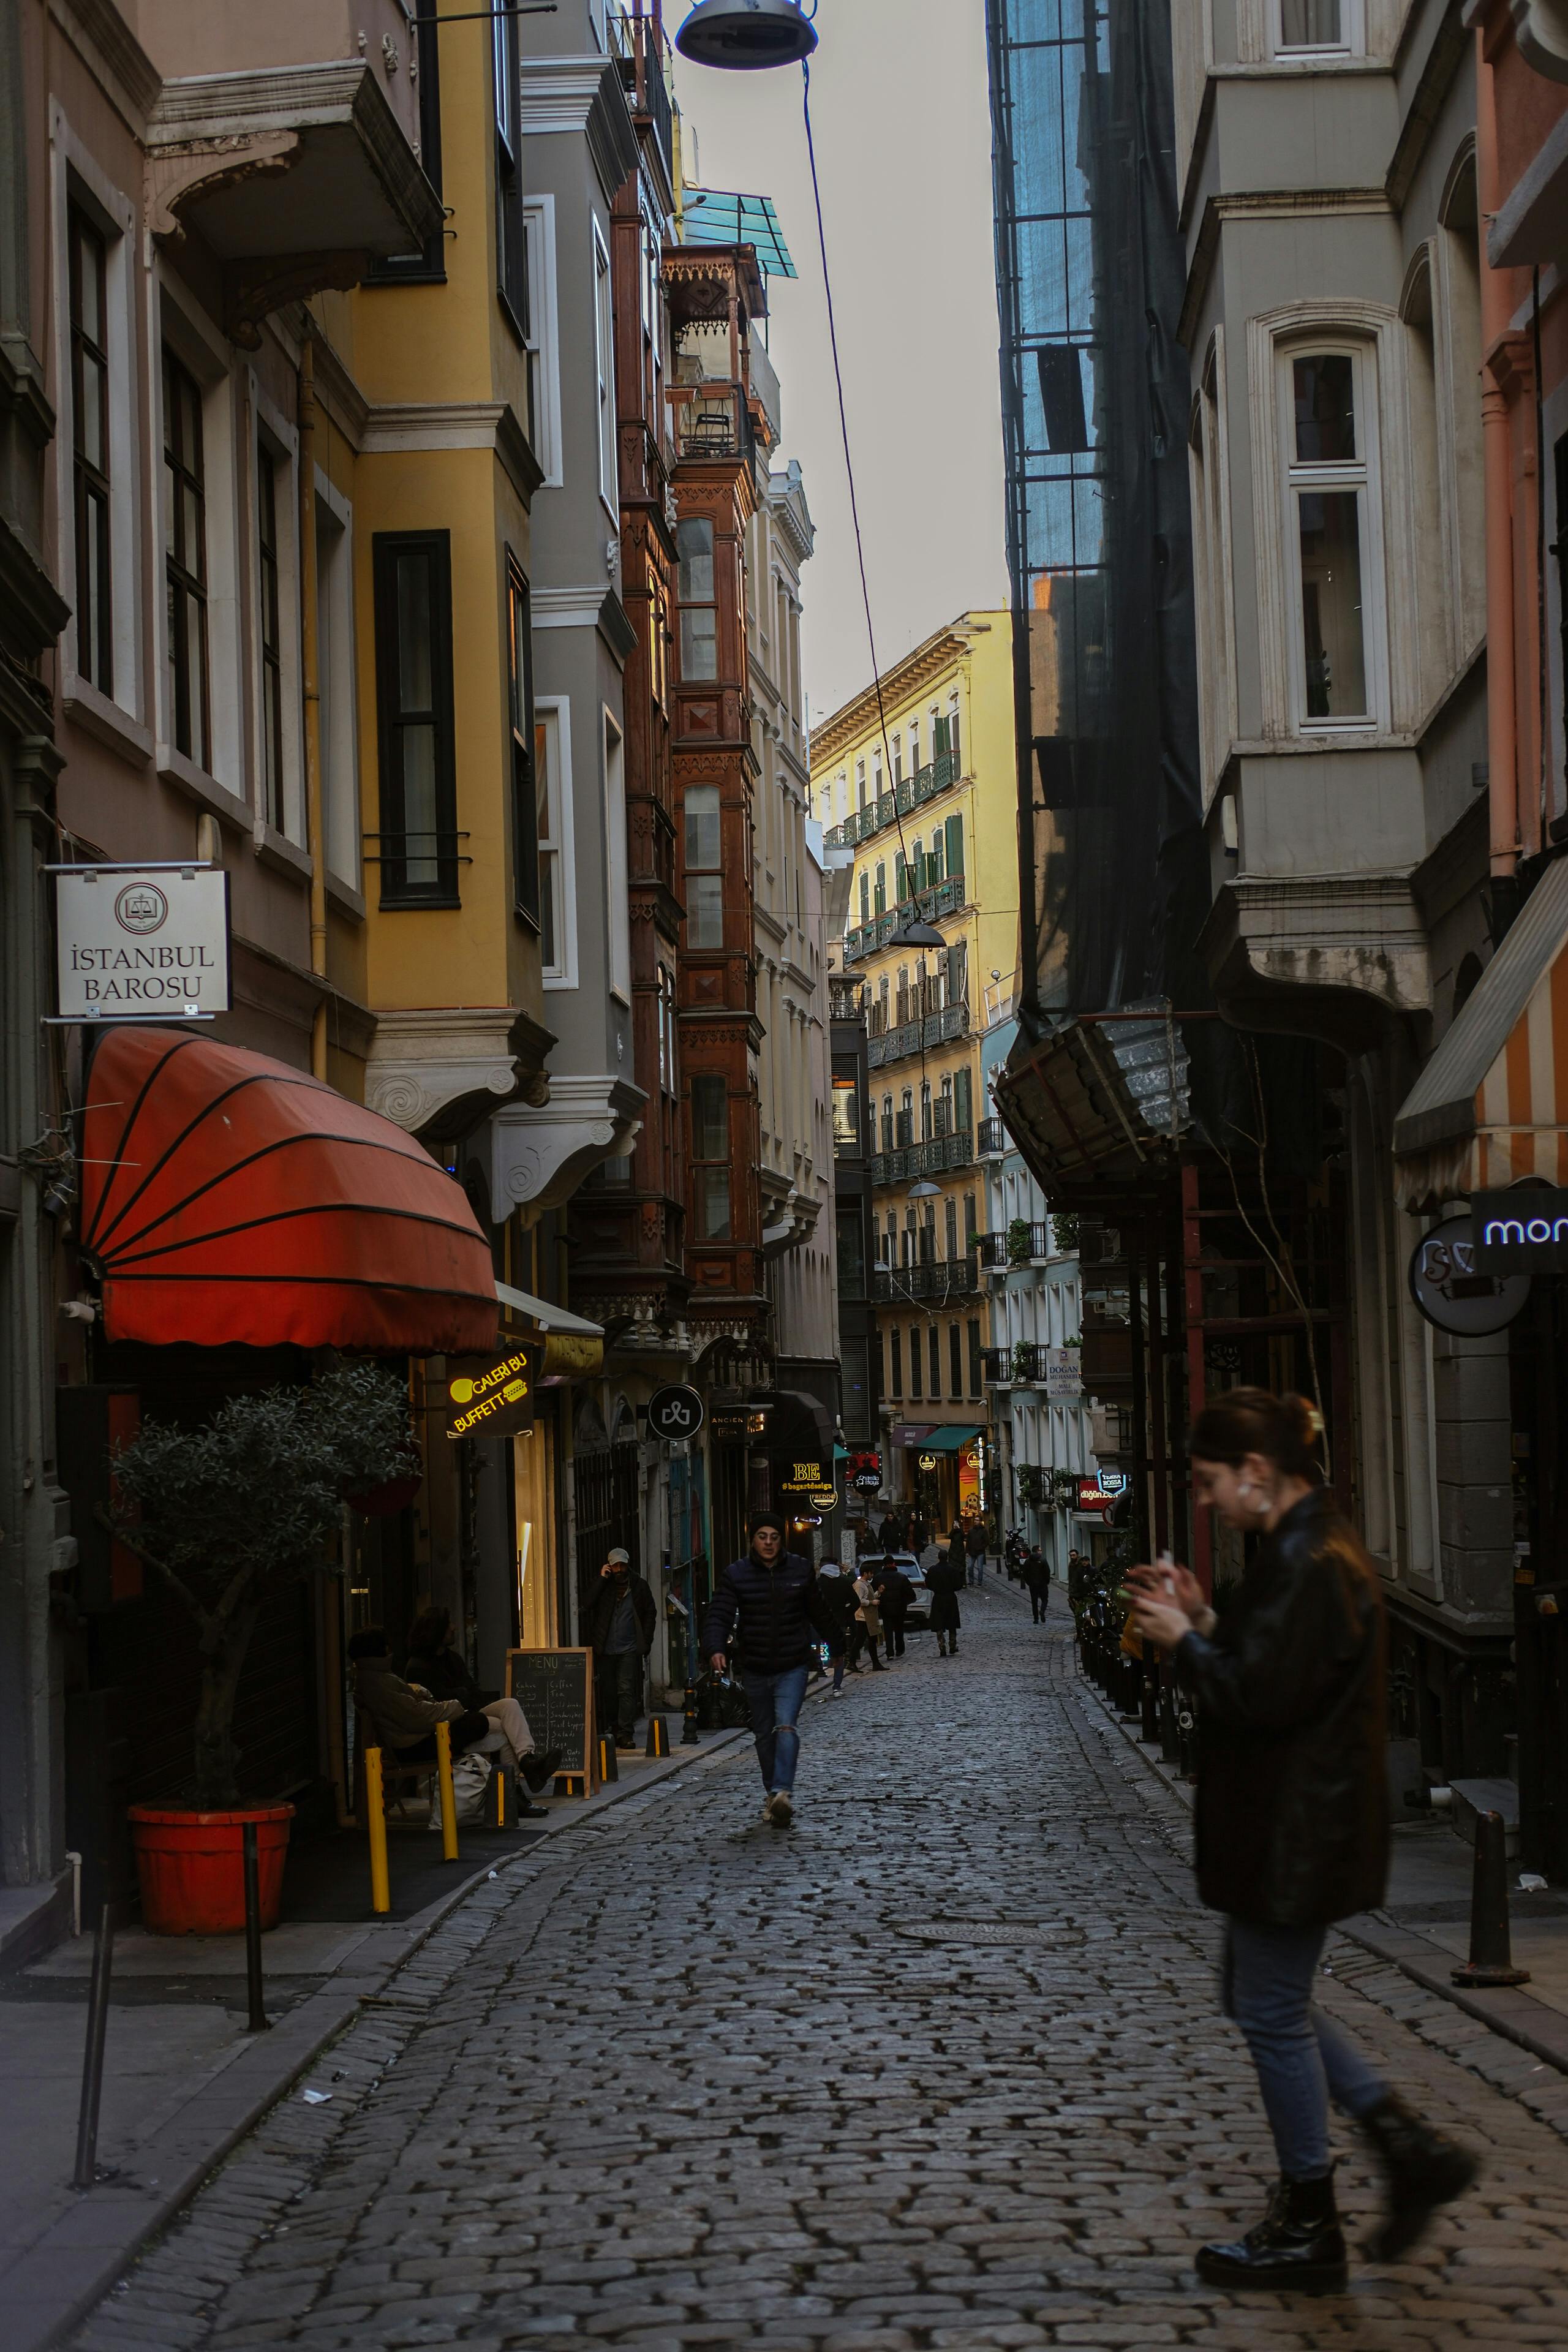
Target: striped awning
[1491, 1105]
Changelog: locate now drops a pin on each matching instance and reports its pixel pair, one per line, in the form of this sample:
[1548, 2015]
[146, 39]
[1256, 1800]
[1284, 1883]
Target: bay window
[711, 1157]
[704, 880]
[1332, 539]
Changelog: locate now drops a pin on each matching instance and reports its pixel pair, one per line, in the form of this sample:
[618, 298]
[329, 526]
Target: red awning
[226, 1198]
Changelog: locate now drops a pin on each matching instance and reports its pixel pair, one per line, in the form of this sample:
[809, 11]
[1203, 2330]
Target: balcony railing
[990, 1250]
[845, 999]
[912, 793]
[937, 1029]
[1022, 1366]
[643, 53]
[864, 940]
[991, 1137]
[934, 1159]
[938, 1278]
[710, 420]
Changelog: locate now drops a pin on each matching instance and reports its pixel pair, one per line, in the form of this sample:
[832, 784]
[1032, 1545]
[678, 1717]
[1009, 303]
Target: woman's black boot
[1298, 2245]
[1424, 2169]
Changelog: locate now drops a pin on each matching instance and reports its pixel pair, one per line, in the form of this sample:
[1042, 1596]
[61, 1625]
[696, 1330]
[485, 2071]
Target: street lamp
[744, 35]
[916, 934]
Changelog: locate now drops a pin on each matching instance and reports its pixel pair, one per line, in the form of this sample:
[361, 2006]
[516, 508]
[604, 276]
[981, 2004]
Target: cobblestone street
[940, 2067]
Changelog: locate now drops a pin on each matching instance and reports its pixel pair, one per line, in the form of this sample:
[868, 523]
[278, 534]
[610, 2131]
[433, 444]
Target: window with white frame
[618, 919]
[1331, 540]
[269, 616]
[337, 685]
[544, 340]
[1211, 563]
[186, 562]
[547, 785]
[208, 575]
[1309, 29]
[604, 367]
[91, 401]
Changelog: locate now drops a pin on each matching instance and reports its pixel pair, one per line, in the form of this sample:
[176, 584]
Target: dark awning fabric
[949, 1437]
[228, 1199]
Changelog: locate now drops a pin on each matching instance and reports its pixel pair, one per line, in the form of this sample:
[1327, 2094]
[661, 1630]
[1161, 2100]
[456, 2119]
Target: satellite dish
[744, 35]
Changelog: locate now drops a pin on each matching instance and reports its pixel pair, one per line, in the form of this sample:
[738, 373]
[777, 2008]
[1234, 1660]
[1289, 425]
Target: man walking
[773, 1607]
[895, 1594]
[974, 1544]
[618, 1626]
[1038, 1582]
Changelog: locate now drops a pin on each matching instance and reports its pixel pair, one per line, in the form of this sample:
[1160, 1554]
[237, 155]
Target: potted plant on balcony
[228, 1516]
[1018, 1241]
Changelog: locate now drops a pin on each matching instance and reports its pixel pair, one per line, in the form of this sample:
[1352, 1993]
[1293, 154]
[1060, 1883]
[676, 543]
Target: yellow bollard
[375, 1817]
[500, 1795]
[448, 1796]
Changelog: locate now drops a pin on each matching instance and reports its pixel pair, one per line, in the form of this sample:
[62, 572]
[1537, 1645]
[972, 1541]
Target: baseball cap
[618, 1557]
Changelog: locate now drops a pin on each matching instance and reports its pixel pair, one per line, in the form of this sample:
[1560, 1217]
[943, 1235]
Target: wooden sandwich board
[554, 1689]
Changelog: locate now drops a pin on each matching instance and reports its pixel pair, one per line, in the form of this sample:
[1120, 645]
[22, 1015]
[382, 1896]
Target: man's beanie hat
[767, 1519]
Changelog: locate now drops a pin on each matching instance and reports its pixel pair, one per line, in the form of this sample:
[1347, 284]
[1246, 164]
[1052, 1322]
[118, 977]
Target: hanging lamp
[744, 35]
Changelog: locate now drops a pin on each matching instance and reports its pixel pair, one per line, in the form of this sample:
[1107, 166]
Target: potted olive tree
[229, 1515]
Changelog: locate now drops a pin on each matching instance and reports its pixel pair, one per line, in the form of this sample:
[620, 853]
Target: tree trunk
[225, 1641]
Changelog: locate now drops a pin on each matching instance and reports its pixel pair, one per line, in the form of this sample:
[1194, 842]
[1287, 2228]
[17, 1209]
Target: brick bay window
[704, 881]
[185, 563]
[418, 838]
[90, 451]
[711, 1157]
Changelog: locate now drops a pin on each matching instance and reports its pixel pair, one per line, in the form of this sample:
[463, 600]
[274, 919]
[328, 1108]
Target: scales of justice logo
[141, 907]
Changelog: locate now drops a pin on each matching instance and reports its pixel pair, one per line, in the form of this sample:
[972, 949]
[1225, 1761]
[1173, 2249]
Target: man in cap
[773, 1608]
[618, 1626]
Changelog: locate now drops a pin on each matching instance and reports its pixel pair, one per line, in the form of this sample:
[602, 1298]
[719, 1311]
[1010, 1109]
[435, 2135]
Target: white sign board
[140, 943]
[1064, 1373]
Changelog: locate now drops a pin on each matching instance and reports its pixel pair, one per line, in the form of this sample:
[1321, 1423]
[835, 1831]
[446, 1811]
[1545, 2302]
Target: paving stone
[690, 2082]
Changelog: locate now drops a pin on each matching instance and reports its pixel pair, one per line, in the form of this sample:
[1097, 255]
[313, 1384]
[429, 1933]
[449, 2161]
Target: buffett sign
[145, 943]
[489, 1396]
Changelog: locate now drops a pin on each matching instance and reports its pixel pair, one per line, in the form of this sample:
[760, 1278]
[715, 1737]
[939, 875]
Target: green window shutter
[963, 1100]
[938, 738]
[934, 863]
[955, 846]
[901, 875]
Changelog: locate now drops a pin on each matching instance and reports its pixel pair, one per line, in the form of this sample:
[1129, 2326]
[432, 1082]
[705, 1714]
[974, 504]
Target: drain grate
[983, 1931]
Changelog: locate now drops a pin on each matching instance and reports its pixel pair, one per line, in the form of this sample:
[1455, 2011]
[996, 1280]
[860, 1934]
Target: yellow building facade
[916, 794]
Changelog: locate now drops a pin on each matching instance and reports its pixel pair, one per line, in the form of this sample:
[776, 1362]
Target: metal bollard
[1186, 1743]
[608, 1768]
[689, 1735]
[85, 2171]
[259, 2020]
[1148, 1695]
[375, 1824]
[1490, 1963]
[449, 1794]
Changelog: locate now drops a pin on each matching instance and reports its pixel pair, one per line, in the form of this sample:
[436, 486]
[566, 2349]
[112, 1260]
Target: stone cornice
[101, 38]
[582, 94]
[940, 654]
[1261, 204]
[437, 425]
[436, 1068]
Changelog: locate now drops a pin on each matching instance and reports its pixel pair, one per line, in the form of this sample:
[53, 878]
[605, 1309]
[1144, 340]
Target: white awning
[1490, 1106]
[548, 1318]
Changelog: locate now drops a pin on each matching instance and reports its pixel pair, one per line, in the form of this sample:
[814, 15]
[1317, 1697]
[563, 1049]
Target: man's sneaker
[781, 1809]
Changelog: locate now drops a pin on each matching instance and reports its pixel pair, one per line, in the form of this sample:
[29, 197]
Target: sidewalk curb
[61, 2277]
[1511, 2013]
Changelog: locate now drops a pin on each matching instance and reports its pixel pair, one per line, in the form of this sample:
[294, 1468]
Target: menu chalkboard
[554, 1689]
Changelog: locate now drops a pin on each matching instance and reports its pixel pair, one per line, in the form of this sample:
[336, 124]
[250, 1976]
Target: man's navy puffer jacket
[776, 1612]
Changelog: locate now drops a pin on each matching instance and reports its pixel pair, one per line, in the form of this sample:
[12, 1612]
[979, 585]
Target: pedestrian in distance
[895, 1597]
[944, 1583]
[837, 1590]
[866, 1625]
[975, 1544]
[770, 1604]
[1038, 1583]
[618, 1626]
[1291, 1824]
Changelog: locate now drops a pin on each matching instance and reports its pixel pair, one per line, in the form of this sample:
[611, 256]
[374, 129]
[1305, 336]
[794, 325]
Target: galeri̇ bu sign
[490, 1396]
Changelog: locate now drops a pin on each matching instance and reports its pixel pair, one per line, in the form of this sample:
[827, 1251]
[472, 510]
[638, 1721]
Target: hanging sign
[1453, 1292]
[1522, 1230]
[490, 1396]
[1064, 1373]
[803, 1481]
[866, 1471]
[675, 1412]
[141, 942]
[927, 1461]
[1092, 1495]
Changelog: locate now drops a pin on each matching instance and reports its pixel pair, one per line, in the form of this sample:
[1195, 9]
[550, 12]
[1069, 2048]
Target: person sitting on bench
[434, 1665]
[402, 1722]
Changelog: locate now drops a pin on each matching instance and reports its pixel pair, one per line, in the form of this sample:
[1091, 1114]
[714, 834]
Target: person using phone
[1290, 1822]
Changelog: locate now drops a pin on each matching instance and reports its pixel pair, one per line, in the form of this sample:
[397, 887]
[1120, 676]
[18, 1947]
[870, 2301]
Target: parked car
[919, 1607]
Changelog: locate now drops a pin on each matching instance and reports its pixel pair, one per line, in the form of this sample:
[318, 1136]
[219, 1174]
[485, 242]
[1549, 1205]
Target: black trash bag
[722, 1704]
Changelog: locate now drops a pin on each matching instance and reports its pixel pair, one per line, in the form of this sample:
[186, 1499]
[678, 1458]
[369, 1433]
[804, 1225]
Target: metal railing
[990, 1137]
[845, 999]
[936, 1279]
[911, 792]
[933, 1159]
[865, 938]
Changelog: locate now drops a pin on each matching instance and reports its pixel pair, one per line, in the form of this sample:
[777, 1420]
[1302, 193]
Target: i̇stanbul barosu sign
[141, 942]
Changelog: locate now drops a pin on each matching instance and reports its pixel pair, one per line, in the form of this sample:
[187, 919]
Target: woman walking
[1291, 1824]
[865, 1624]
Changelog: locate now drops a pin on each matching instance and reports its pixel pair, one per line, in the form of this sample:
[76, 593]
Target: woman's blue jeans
[775, 1702]
[1303, 2060]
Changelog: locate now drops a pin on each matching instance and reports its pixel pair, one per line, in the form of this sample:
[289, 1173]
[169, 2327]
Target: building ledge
[1334, 956]
[436, 1069]
[540, 1153]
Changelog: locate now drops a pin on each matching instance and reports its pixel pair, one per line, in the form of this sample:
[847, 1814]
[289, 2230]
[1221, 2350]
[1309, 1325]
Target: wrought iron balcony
[991, 1137]
[909, 793]
[864, 939]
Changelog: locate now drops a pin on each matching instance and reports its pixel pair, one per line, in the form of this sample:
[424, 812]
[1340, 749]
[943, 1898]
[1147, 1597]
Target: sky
[903, 152]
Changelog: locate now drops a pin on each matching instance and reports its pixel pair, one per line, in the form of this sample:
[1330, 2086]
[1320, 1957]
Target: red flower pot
[192, 1866]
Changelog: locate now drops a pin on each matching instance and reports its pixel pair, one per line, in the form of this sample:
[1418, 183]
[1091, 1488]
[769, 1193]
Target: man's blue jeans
[1303, 2060]
[775, 1701]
